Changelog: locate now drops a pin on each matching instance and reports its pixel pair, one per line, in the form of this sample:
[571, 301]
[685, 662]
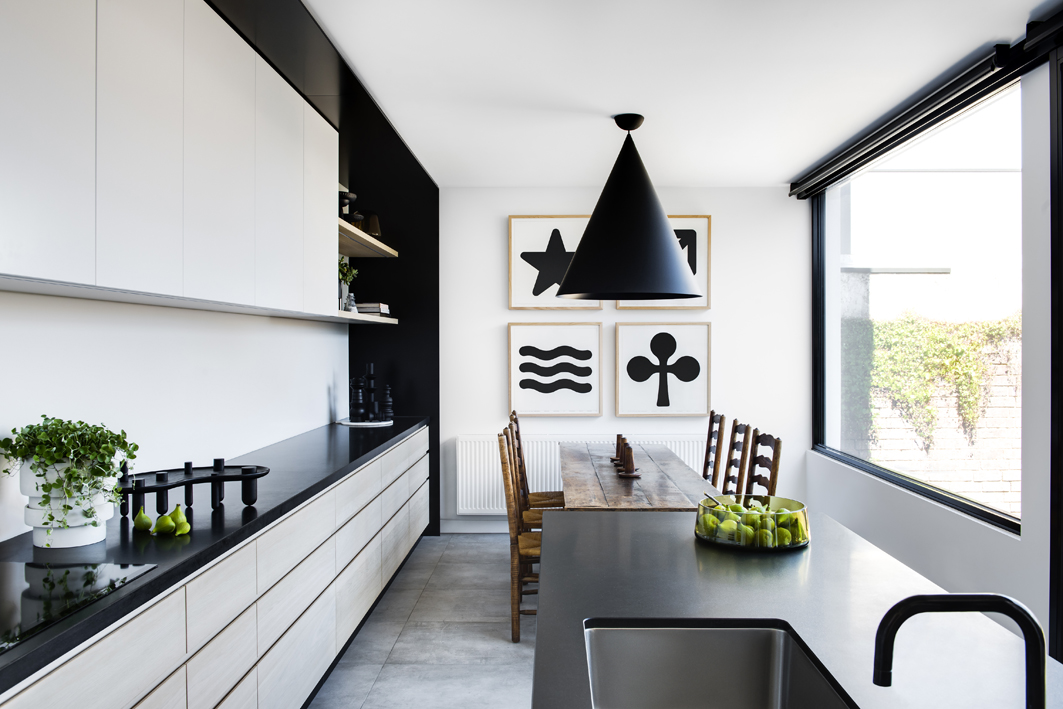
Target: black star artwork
[551, 263]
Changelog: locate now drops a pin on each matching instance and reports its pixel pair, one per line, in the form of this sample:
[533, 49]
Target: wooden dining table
[590, 482]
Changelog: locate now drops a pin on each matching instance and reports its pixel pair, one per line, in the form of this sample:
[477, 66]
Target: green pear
[178, 516]
[163, 525]
[745, 535]
[182, 528]
[736, 508]
[727, 530]
[783, 535]
[765, 538]
[142, 522]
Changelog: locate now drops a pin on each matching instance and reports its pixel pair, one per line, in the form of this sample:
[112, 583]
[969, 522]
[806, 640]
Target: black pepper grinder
[358, 399]
[387, 412]
[373, 406]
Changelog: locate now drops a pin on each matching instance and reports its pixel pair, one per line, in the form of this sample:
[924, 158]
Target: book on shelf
[373, 308]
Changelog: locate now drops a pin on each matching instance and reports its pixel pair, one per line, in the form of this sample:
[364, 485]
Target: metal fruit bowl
[753, 522]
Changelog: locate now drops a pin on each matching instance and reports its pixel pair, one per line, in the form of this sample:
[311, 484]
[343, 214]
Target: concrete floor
[440, 636]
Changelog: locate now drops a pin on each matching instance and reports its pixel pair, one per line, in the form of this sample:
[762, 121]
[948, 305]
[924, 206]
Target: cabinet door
[356, 491]
[245, 694]
[354, 535]
[170, 694]
[357, 587]
[292, 668]
[48, 139]
[279, 608]
[393, 541]
[419, 513]
[219, 160]
[218, 667]
[139, 143]
[220, 594]
[278, 191]
[321, 150]
[285, 545]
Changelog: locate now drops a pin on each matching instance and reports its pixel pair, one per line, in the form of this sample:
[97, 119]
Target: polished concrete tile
[460, 540]
[463, 643]
[451, 687]
[373, 643]
[462, 605]
[414, 575]
[464, 575]
[347, 686]
[396, 604]
[477, 554]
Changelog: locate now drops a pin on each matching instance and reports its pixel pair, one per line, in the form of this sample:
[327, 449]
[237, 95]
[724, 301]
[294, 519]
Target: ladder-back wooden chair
[531, 518]
[757, 460]
[736, 460]
[535, 500]
[711, 466]
[524, 547]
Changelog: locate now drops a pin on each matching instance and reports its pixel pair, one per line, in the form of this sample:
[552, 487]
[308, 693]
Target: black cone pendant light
[628, 250]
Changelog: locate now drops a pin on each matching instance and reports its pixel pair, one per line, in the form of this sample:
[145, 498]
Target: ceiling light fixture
[628, 250]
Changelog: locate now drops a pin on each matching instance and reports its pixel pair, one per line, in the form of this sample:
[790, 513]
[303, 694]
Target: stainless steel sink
[677, 663]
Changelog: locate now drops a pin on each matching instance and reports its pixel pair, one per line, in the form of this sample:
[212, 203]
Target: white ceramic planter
[78, 531]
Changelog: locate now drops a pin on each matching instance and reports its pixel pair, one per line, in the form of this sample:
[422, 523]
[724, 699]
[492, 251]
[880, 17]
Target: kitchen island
[332, 494]
[833, 594]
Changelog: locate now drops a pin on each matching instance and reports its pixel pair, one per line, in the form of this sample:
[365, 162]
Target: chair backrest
[736, 460]
[757, 460]
[712, 447]
[521, 469]
[512, 508]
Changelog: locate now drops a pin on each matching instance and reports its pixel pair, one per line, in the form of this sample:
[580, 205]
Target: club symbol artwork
[663, 346]
[551, 263]
[564, 367]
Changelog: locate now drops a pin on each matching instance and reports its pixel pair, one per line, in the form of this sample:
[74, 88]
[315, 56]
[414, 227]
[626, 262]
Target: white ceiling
[519, 93]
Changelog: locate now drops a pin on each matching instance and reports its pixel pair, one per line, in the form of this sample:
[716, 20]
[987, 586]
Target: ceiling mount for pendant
[628, 250]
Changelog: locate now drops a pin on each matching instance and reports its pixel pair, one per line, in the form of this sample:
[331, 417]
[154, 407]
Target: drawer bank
[254, 609]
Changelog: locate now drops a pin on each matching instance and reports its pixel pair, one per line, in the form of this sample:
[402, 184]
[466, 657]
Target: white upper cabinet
[139, 87]
[219, 160]
[48, 139]
[321, 152]
[278, 191]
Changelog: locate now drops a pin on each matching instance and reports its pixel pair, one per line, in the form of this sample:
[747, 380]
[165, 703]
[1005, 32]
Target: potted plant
[69, 471]
[347, 274]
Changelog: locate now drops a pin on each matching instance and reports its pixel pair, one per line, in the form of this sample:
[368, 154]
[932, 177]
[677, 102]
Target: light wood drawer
[279, 608]
[417, 474]
[291, 541]
[168, 695]
[393, 543]
[220, 594]
[294, 665]
[399, 459]
[103, 675]
[394, 497]
[356, 491]
[417, 446]
[215, 669]
[245, 694]
[354, 535]
[357, 587]
[419, 513]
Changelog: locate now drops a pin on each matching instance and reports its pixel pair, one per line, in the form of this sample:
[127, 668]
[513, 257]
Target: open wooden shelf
[366, 318]
[357, 244]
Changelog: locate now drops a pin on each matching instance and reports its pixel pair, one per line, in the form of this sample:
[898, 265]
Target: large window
[922, 346]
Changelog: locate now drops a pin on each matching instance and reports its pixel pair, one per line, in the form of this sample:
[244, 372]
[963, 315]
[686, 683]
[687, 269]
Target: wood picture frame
[534, 287]
[539, 352]
[640, 393]
[697, 228]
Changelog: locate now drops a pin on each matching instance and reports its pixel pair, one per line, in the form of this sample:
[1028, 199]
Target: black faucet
[952, 602]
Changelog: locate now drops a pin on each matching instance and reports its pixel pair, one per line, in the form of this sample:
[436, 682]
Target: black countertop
[300, 467]
[833, 593]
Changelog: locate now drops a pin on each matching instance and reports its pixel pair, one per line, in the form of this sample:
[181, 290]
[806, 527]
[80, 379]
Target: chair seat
[546, 499]
[530, 543]
[533, 518]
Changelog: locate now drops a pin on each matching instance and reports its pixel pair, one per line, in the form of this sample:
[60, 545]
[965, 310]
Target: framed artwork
[555, 369]
[540, 249]
[695, 237]
[662, 369]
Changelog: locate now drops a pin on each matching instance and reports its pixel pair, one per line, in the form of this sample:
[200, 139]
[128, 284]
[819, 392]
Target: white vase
[78, 531]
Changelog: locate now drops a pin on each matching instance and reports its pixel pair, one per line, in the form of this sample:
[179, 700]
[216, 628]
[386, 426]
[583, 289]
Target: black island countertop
[300, 467]
[618, 564]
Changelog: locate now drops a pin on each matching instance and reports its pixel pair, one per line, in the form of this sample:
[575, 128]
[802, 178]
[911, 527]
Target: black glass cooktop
[33, 596]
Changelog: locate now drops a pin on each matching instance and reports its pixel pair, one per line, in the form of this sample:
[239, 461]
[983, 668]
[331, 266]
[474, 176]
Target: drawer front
[294, 665]
[245, 694]
[357, 587]
[418, 513]
[279, 608]
[168, 695]
[218, 667]
[417, 446]
[393, 543]
[399, 459]
[417, 474]
[101, 676]
[283, 547]
[354, 535]
[220, 594]
[393, 498]
[357, 491]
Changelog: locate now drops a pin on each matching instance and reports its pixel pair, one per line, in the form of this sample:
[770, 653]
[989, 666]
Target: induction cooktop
[34, 596]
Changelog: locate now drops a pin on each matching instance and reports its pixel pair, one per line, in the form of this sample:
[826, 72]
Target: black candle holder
[160, 482]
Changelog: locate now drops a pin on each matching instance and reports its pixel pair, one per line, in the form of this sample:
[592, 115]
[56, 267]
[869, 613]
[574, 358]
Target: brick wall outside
[985, 467]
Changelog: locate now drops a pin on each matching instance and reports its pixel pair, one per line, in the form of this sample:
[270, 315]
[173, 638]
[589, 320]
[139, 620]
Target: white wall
[184, 384]
[952, 549]
[761, 320]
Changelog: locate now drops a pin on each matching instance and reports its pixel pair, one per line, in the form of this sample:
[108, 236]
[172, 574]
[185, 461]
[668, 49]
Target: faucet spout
[1036, 694]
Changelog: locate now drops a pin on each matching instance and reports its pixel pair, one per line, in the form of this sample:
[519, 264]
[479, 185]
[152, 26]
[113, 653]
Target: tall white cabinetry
[321, 150]
[139, 143]
[48, 139]
[219, 160]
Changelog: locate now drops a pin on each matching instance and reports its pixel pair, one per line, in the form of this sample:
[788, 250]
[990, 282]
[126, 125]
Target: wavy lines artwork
[551, 387]
[562, 351]
[568, 367]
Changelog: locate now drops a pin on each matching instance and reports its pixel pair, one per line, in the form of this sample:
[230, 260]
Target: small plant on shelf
[74, 466]
[347, 274]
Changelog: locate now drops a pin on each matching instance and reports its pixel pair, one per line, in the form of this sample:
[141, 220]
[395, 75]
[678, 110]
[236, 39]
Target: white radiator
[480, 469]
